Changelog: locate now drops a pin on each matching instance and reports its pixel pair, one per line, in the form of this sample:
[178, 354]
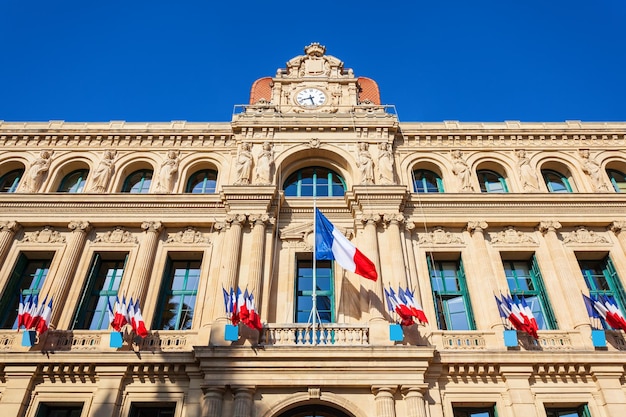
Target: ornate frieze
[189, 236]
[45, 235]
[583, 235]
[511, 236]
[439, 236]
[117, 235]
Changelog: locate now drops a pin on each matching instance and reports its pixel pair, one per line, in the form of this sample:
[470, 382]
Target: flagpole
[314, 294]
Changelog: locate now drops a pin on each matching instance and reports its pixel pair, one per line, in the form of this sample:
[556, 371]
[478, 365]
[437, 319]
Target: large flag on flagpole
[331, 244]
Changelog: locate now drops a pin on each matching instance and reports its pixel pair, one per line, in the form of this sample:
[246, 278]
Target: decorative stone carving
[243, 164]
[168, 173]
[45, 235]
[9, 226]
[102, 174]
[527, 174]
[510, 236]
[439, 236]
[592, 168]
[393, 217]
[315, 143]
[31, 183]
[300, 236]
[385, 165]
[546, 226]
[265, 165]
[117, 235]
[188, 236]
[313, 64]
[477, 226]
[583, 235]
[151, 226]
[617, 226]
[79, 225]
[462, 171]
[366, 164]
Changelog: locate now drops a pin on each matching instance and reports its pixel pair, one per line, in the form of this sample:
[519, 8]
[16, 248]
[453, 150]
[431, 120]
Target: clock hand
[311, 98]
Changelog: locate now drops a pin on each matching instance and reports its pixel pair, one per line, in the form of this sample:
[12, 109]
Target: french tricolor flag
[331, 244]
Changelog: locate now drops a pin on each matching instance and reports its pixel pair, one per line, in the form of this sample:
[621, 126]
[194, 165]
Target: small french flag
[331, 244]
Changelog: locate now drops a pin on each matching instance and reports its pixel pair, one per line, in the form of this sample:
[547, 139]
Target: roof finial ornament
[315, 49]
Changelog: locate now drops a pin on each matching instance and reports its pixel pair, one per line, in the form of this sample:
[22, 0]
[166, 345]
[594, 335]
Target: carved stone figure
[264, 165]
[167, 175]
[102, 175]
[34, 177]
[592, 168]
[244, 164]
[385, 165]
[365, 163]
[527, 175]
[462, 171]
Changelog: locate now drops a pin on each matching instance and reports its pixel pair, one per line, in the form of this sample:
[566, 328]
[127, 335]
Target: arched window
[491, 182]
[138, 182]
[555, 181]
[314, 410]
[425, 181]
[74, 182]
[314, 182]
[618, 179]
[202, 182]
[10, 181]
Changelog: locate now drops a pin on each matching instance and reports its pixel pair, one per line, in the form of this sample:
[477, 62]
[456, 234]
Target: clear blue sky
[194, 60]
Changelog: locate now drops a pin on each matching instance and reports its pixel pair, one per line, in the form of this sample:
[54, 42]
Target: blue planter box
[395, 333]
[510, 338]
[28, 338]
[116, 340]
[598, 337]
[231, 333]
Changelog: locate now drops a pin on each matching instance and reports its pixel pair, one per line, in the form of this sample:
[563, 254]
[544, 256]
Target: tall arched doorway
[314, 410]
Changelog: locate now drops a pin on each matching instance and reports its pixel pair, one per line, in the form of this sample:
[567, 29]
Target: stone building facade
[171, 214]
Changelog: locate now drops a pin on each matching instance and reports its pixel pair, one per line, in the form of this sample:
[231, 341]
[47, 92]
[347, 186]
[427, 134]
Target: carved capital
[396, 218]
[546, 226]
[370, 218]
[213, 391]
[152, 226]
[410, 226]
[260, 219]
[384, 390]
[9, 226]
[476, 226]
[79, 226]
[617, 226]
[239, 219]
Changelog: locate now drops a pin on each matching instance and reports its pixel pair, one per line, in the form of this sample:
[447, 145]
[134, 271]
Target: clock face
[311, 97]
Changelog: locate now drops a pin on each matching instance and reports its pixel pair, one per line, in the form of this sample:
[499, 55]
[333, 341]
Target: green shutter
[543, 295]
[614, 283]
[466, 299]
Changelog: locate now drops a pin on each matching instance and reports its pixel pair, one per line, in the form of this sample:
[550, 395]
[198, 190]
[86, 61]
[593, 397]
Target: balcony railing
[301, 334]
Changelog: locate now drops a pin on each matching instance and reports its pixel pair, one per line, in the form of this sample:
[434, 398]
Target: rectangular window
[324, 293]
[524, 280]
[452, 302]
[101, 287]
[488, 411]
[156, 409]
[179, 288]
[602, 279]
[60, 410]
[579, 411]
[27, 278]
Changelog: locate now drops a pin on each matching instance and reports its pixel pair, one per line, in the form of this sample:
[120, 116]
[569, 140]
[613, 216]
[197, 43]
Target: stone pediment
[314, 64]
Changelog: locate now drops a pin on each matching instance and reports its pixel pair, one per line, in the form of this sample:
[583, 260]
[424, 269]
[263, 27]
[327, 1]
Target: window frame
[545, 173]
[89, 291]
[614, 283]
[166, 292]
[438, 182]
[547, 320]
[14, 183]
[442, 310]
[320, 265]
[127, 187]
[581, 410]
[189, 187]
[483, 173]
[77, 187]
[616, 184]
[333, 180]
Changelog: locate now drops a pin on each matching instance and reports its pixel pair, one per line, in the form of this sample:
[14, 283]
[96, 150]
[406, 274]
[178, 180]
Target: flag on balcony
[120, 313]
[331, 244]
[254, 321]
[130, 308]
[230, 304]
[518, 313]
[20, 312]
[240, 308]
[605, 307]
[44, 318]
[140, 325]
[111, 315]
[405, 306]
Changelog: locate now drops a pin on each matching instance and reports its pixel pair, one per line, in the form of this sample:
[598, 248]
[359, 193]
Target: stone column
[569, 293]
[18, 383]
[212, 400]
[374, 301]
[519, 398]
[7, 233]
[612, 397]
[385, 402]
[257, 255]
[143, 269]
[242, 406]
[60, 285]
[616, 227]
[232, 250]
[480, 262]
[395, 250]
[414, 399]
